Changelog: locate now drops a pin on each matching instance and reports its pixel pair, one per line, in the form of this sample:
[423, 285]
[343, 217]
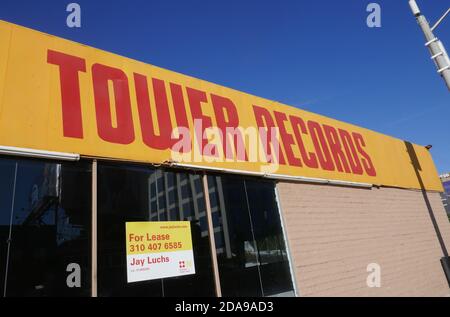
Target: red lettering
[366, 161]
[179, 106]
[352, 154]
[69, 66]
[264, 119]
[221, 106]
[180, 114]
[322, 151]
[287, 139]
[124, 132]
[336, 150]
[163, 140]
[298, 126]
[196, 98]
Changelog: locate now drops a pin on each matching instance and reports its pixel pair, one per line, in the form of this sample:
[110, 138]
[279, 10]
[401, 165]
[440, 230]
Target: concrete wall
[335, 232]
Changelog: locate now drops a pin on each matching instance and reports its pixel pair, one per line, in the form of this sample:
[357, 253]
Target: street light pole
[434, 45]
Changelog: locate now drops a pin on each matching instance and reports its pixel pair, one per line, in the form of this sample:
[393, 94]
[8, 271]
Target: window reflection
[44, 214]
[267, 230]
[237, 259]
[249, 240]
[50, 226]
[138, 193]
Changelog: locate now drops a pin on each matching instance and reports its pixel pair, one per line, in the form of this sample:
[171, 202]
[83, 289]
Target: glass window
[216, 219]
[185, 191]
[172, 197]
[236, 255]
[249, 240]
[267, 230]
[213, 199]
[45, 216]
[125, 193]
[171, 181]
[201, 203]
[188, 209]
[198, 184]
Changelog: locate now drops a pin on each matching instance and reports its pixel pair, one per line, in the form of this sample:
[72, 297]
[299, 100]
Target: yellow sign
[157, 237]
[62, 96]
[158, 250]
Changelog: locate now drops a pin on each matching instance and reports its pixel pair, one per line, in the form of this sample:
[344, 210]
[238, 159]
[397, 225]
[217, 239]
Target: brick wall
[335, 232]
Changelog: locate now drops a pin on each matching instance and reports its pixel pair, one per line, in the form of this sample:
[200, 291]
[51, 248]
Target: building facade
[91, 141]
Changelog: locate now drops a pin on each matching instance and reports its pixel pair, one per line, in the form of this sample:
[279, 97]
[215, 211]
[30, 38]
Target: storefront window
[249, 238]
[138, 193]
[268, 233]
[45, 228]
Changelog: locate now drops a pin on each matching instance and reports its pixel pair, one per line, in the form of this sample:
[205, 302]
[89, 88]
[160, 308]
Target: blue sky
[315, 55]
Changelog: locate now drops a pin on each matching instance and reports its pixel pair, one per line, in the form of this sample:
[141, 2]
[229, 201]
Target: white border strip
[26, 152]
[274, 176]
[17, 151]
[287, 243]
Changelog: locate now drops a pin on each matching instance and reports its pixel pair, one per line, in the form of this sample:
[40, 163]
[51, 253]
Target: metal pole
[94, 231]
[440, 20]
[212, 242]
[434, 45]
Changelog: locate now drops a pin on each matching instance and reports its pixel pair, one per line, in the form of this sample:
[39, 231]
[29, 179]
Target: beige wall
[335, 232]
